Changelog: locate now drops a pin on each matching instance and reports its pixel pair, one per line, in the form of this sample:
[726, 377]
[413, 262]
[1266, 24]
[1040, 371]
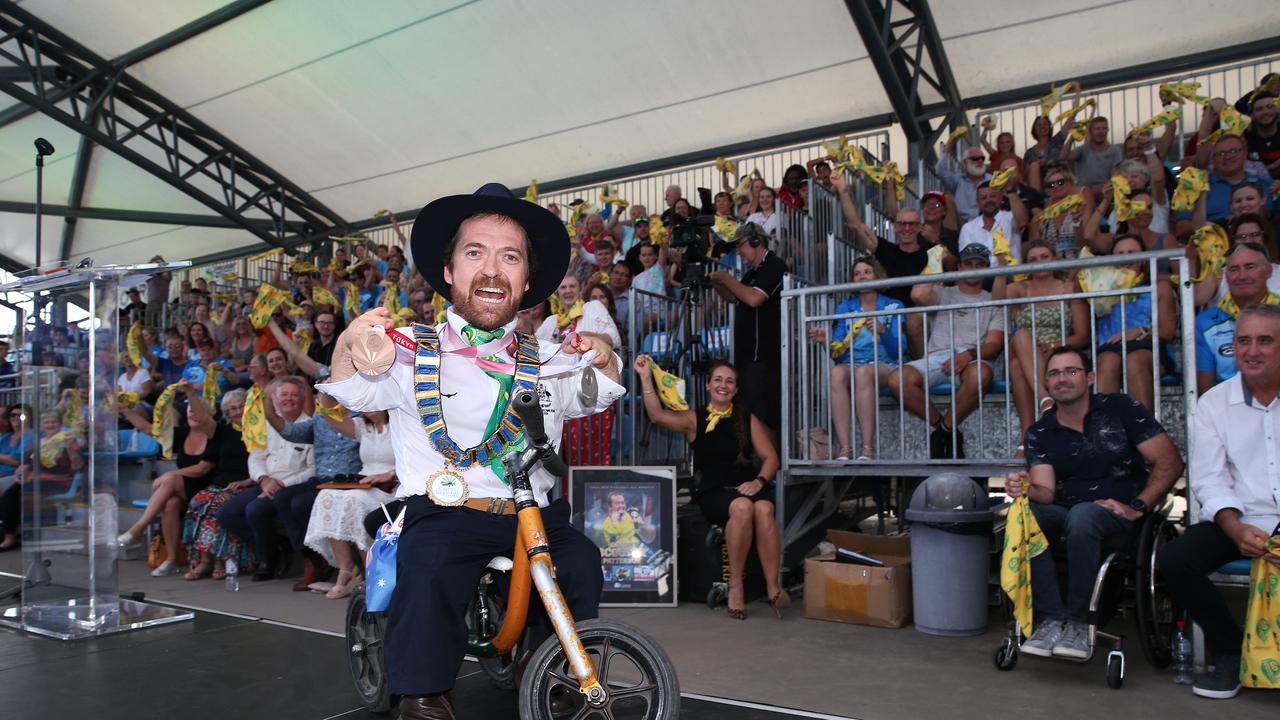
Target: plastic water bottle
[1181, 648]
[233, 576]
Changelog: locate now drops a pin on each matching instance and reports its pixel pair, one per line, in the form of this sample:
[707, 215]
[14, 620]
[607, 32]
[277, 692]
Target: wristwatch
[1139, 505]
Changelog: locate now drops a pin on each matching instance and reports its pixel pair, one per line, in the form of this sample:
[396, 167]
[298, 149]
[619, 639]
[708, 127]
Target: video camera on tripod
[693, 236]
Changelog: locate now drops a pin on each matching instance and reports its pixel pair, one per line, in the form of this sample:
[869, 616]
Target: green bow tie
[476, 336]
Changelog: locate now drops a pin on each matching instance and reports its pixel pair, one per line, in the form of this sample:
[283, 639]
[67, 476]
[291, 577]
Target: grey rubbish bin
[950, 520]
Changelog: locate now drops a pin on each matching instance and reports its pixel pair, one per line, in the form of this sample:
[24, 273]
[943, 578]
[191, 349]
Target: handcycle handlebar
[526, 406]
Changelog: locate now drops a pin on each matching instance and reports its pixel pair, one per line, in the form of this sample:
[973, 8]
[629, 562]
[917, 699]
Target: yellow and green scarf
[162, 421]
[254, 425]
[1260, 654]
[1023, 540]
[1227, 304]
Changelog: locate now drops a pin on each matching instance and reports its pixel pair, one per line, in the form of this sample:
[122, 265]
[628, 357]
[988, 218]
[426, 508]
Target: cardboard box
[860, 594]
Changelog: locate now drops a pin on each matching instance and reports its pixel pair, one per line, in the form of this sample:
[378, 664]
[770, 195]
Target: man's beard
[975, 170]
[483, 314]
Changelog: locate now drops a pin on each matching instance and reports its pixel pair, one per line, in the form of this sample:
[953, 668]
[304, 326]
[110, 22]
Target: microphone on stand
[43, 148]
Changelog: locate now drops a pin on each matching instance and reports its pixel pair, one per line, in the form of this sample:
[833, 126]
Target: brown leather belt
[494, 506]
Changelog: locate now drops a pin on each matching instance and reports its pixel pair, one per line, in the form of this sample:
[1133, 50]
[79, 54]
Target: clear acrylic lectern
[68, 479]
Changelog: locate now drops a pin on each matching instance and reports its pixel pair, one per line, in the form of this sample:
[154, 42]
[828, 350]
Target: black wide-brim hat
[438, 222]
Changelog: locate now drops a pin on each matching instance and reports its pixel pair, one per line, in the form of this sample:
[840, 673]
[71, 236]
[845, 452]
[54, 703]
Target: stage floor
[223, 666]
[266, 652]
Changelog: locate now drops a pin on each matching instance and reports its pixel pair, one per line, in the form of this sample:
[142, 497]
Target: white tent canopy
[366, 105]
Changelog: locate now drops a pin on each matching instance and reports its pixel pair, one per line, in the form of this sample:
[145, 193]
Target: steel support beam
[905, 48]
[136, 122]
[80, 175]
[170, 39]
[144, 216]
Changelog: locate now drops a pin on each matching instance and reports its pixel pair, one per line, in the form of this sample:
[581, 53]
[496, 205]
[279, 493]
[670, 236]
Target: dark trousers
[253, 517]
[441, 554]
[1185, 564]
[760, 386]
[1082, 529]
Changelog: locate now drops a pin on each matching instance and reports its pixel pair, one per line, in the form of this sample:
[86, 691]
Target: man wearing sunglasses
[1097, 463]
[1247, 271]
[962, 183]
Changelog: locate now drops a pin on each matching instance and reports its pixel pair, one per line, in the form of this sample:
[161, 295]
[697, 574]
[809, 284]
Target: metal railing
[1132, 104]
[897, 433]
[683, 333]
[649, 189]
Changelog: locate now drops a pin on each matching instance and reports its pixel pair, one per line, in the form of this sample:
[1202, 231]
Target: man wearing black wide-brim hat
[492, 255]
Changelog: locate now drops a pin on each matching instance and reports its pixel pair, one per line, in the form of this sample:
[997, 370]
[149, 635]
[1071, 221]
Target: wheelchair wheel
[716, 595]
[637, 674]
[1157, 613]
[1006, 656]
[364, 644]
[1115, 670]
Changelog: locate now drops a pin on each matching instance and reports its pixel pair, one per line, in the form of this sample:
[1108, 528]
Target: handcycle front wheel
[635, 672]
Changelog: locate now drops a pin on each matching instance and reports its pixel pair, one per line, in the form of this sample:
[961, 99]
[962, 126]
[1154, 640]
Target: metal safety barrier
[899, 437]
[1132, 104]
[683, 332]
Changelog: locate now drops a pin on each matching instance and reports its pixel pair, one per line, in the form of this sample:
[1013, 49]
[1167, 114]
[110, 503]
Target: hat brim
[436, 225]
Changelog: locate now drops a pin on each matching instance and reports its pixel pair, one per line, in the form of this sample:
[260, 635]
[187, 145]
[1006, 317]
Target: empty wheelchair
[1127, 583]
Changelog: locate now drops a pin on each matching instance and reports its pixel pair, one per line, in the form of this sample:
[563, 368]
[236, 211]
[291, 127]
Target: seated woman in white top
[573, 315]
[133, 378]
[336, 528]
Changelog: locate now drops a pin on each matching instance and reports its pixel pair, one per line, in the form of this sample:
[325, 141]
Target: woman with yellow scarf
[59, 456]
[735, 464]
[171, 490]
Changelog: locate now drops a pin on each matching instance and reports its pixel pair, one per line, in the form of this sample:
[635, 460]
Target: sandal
[778, 601]
[219, 571]
[738, 613]
[202, 570]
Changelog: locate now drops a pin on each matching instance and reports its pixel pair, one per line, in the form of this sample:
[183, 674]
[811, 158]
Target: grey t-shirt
[971, 324]
[1094, 167]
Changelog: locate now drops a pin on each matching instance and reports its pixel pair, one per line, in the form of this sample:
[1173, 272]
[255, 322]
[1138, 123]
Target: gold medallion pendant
[447, 488]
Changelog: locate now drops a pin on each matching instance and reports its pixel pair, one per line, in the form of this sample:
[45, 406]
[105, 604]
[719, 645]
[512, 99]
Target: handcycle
[1127, 582]
[592, 668]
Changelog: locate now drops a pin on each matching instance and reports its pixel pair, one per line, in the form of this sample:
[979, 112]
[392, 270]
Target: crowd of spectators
[225, 365]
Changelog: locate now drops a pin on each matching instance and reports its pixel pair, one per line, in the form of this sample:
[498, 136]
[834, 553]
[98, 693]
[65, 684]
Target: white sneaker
[1043, 639]
[168, 567]
[127, 539]
[1074, 642]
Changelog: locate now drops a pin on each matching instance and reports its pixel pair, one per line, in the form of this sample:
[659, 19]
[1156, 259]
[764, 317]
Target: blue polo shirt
[1218, 202]
[1215, 348]
[1101, 463]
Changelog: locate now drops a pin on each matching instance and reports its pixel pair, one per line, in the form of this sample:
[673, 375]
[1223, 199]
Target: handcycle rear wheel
[365, 631]
[637, 674]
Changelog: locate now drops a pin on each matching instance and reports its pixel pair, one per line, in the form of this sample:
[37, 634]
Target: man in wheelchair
[1235, 478]
[1097, 464]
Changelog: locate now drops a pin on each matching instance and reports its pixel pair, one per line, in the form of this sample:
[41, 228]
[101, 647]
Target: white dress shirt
[468, 396]
[974, 232]
[1235, 459]
[288, 462]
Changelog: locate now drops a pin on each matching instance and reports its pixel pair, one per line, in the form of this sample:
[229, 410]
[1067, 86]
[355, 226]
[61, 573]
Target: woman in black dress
[733, 490]
[171, 491]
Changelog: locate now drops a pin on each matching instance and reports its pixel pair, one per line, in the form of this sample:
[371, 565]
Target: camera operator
[757, 339]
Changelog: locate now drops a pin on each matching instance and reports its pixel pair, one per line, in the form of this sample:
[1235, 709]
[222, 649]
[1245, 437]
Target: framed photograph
[629, 512]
